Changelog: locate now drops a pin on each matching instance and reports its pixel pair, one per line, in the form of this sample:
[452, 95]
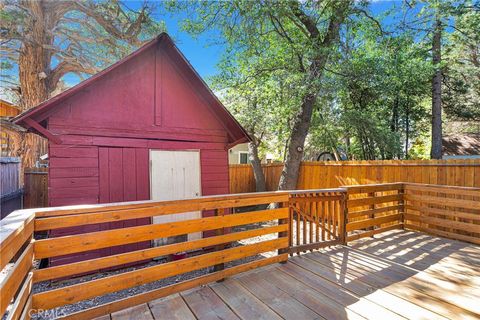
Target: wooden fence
[10, 189]
[36, 188]
[329, 174]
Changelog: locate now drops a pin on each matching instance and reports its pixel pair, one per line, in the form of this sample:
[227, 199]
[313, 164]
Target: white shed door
[175, 175]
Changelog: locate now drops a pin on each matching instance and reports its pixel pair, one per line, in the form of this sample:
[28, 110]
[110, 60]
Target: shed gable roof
[235, 132]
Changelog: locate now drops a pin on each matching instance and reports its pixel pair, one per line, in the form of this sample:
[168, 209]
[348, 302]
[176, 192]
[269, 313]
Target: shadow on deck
[396, 275]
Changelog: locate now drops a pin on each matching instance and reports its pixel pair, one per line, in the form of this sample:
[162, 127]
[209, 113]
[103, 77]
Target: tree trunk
[436, 151]
[347, 147]
[34, 68]
[407, 129]
[291, 169]
[257, 167]
[34, 57]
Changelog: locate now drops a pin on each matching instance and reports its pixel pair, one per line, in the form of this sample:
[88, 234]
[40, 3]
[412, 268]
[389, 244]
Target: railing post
[343, 218]
[219, 232]
[285, 233]
[401, 205]
[372, 215]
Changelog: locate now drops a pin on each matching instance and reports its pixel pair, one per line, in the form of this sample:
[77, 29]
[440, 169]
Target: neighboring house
[147, 127]
[238, 154]
[10, 133]
[461, 146]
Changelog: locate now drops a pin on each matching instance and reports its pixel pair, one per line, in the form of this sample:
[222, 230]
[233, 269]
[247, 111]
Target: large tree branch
[280, 30]
[306, 20]
[130, 35]
[371, 18]
[65, 67]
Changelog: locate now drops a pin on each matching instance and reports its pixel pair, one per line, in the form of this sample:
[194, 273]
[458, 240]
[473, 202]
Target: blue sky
[203, 56]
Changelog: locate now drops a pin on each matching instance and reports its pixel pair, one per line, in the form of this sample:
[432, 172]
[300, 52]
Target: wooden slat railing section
[304, 221]
[215, 258]
[16, 260]
[452, 212]
[316, 219]
[372, 209]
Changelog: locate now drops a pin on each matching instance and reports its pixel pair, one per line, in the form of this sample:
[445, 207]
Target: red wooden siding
[73, 175]
[106, 128]
[153, 103]
[124, 176]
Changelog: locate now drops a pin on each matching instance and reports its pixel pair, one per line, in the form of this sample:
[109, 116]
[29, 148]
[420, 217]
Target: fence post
[287, 233]
[343, 218]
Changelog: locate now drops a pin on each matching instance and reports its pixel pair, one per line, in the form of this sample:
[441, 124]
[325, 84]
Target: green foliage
[264, 71]
[379, 84]
[374, 99]
[462, 70]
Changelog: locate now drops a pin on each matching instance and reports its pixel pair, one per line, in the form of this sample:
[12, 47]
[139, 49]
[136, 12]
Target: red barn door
[124, 176]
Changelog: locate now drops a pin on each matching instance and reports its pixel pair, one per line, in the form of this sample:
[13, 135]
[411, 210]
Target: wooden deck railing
[16, 256]
[447, 211]
[372, 209]
[301, 221]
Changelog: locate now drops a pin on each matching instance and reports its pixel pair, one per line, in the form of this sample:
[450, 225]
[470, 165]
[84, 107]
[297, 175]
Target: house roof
[8, 109]
[461, 144]
[236, 133]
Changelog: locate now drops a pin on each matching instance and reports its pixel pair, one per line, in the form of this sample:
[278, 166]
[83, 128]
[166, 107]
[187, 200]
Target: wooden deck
[396, 275]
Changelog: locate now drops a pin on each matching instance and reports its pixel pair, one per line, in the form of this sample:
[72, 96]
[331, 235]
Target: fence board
[10, 190]
[331, 174]
[35, 188]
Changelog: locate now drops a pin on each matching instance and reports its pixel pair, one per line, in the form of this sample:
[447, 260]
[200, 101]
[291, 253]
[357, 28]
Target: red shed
[147, 127]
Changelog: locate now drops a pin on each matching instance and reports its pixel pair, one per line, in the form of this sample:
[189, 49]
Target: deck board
[282, 303]
[396, 275]
[140, 312]
[172, 307]
[205, 304]
[242, 302]
[389, 276]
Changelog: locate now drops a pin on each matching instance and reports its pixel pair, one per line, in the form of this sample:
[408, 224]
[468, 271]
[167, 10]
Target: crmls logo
[46, 314]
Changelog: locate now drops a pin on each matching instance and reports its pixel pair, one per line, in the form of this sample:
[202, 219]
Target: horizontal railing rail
[242, 232]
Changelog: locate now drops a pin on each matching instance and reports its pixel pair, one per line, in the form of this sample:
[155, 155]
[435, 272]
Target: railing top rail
[298, 192]
[13, 223]
[367, 188]
[96, 208]
[441, 186]
[76, 209]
